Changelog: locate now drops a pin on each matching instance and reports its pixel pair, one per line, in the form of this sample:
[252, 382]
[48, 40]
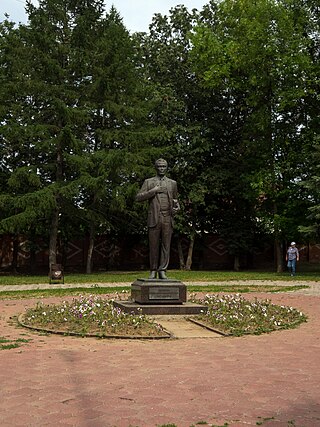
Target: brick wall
[131, 253]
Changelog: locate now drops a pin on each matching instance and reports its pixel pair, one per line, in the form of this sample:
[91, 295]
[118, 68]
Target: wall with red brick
[131, 253]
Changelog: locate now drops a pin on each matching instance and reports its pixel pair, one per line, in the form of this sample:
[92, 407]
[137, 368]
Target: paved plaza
[271, 380]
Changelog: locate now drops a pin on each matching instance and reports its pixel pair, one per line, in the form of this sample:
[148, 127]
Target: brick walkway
[270, 380]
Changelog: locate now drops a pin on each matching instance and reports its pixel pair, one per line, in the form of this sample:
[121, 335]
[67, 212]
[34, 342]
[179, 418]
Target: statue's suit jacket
[154, 205]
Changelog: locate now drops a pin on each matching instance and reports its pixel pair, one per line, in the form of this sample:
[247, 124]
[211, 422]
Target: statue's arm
[175, 190]
[145, 193]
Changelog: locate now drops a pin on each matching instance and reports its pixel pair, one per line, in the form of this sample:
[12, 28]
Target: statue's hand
[175, 207]
[158, 189]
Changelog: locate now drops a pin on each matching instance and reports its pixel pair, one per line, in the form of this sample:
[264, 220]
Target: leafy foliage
[256, 54]
[228, 95]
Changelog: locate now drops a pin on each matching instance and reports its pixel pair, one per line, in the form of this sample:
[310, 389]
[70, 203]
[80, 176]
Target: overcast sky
[136, 14]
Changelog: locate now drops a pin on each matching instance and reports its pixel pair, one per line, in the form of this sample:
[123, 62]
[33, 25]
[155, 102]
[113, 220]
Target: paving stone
[67, 381]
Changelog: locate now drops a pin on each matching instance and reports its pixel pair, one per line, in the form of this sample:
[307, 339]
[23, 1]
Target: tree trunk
[190, 252]
[278, 246]
[90, 249]
[15, 249]
[181, 257]
[279, 255]
[32, 249]
[55, 214]
[236, 263]
[53, 237]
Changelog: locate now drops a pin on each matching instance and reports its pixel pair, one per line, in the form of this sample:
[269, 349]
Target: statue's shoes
[153, 275]
[162, 275]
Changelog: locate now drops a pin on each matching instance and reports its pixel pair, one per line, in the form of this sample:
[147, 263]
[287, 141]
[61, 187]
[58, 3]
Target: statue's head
[161, 166]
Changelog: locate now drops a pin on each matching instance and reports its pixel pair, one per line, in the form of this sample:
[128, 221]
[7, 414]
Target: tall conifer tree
[76, 121]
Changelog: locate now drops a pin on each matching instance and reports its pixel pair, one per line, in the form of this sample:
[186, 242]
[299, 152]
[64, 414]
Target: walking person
[292, 257]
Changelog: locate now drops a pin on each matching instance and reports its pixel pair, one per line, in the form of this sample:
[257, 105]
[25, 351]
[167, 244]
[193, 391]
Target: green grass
[185, 276]
[209, 282]
[245, 288]
[7, 344]
[45, 293]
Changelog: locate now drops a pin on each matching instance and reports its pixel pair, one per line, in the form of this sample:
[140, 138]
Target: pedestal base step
[186, 308]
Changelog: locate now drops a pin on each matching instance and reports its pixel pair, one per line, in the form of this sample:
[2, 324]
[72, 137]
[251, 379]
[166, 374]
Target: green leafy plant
[235, 315]
[90, 315]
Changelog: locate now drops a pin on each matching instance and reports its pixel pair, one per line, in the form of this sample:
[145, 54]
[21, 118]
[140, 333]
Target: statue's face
[161, 168]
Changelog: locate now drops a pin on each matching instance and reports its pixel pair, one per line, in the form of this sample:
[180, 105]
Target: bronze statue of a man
[162, 194]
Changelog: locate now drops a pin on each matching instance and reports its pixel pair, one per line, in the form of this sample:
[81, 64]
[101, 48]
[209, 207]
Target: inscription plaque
[147, 291]
[161, 292]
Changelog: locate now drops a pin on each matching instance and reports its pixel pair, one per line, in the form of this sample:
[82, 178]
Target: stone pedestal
[156, 291]
[159, 297]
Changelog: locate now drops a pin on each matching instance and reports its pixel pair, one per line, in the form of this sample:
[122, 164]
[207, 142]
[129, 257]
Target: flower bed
[91, 316]
[96, 316]
[235, 315]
